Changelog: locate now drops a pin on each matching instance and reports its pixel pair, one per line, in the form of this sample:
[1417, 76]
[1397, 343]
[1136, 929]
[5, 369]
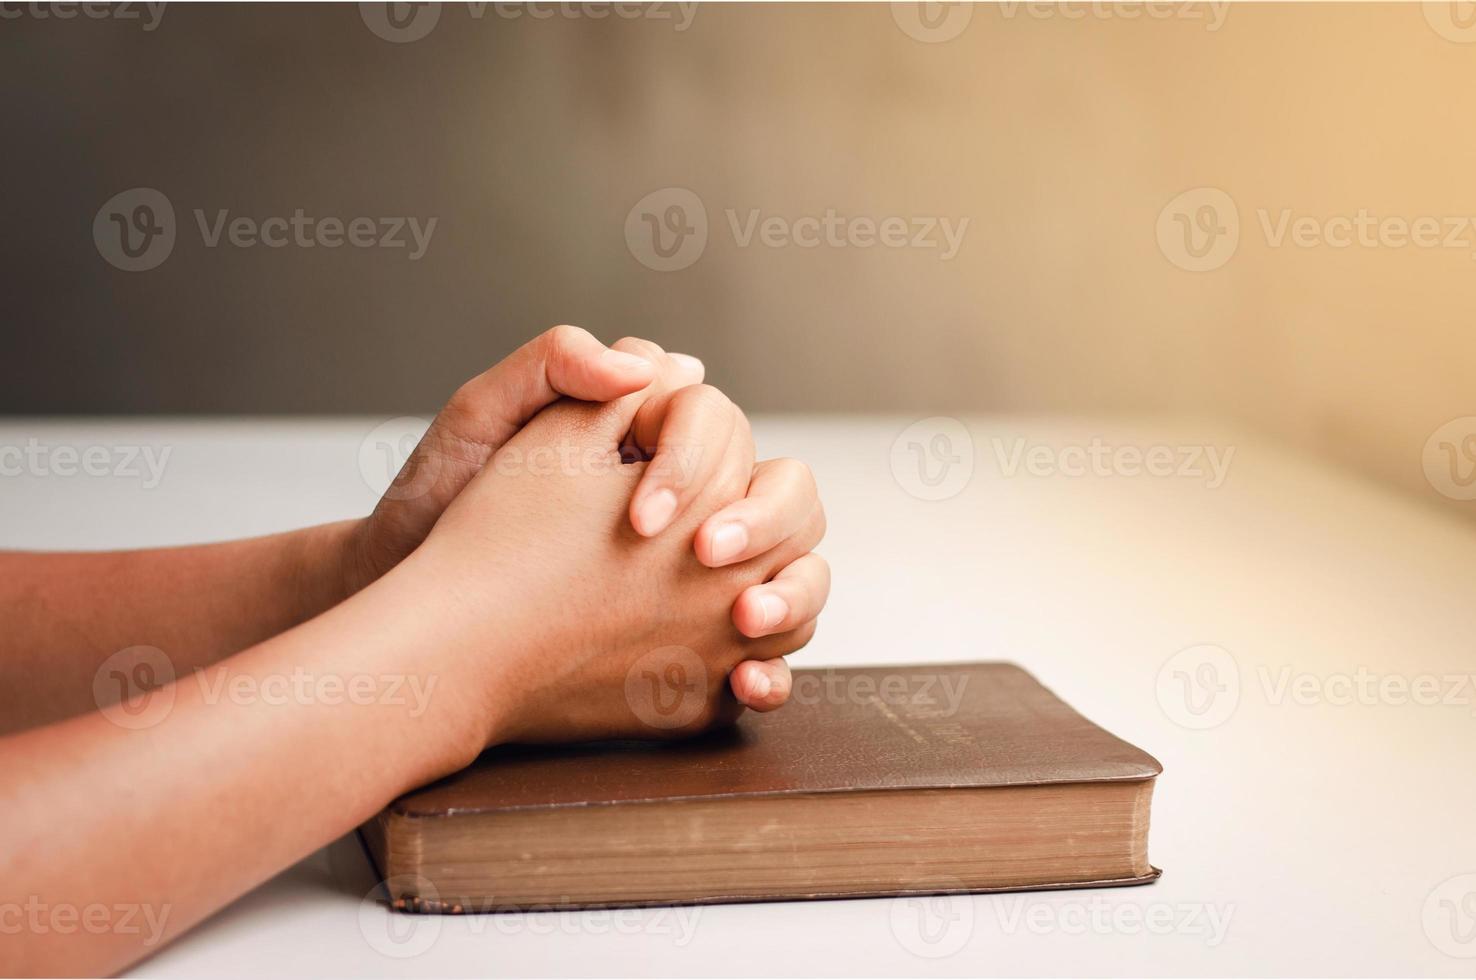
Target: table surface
[1294, 644]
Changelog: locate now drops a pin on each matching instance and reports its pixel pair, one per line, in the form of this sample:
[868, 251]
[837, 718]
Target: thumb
[487, 411]
[490, 408]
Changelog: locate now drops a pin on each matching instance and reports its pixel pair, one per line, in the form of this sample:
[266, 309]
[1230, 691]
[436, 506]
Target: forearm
[233, 781]
[66, 613]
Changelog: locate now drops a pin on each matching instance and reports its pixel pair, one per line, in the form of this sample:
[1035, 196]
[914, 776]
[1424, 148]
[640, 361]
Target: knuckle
[797, 475]
[704, 406]
[743, 430]
[640, 347]
[809, 533]
[702, 399]
[563, 336]
[557, 355]
[800, 637]
[743, 445]
[461, 407]
[730, 483]
[822, 568]
[821, 591]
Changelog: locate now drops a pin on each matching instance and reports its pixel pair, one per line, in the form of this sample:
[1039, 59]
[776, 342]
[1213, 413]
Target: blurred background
[924, 245]
[1256, 214]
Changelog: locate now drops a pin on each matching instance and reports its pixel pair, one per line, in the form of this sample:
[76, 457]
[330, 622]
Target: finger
[579, 366]
[781, 644]
[485, 412]
[793, 597]
[612, 422]
[780, 499]
[489, 409]
[673, 370]
[692, 430]
[762, 685]
[692, 370]
[565, 360]
[768, 564]
[678, 371]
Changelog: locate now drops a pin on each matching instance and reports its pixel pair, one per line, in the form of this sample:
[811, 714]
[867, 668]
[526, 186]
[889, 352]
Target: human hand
[678, 431]
[564, 623]
[533, 611]
[568, 361]
[480, 417]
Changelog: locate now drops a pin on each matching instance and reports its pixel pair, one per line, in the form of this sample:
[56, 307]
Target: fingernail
[775, 609]
[729, 541]
[656, 511]
[689, 362]
[625, 363]
[762, 685]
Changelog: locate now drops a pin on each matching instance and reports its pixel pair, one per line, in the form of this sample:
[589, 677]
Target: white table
[1322, 831]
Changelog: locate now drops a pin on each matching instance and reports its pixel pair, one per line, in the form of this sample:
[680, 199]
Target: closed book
[903, 780]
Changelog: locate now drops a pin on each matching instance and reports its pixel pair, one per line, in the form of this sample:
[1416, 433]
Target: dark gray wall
[529, 139]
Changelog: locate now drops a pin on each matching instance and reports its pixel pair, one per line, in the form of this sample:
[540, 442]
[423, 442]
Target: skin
[66, 613]
[525, 601]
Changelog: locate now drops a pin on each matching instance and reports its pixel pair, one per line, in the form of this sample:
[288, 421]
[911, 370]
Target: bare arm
[518, 619]
[155, 827]
[65, 614]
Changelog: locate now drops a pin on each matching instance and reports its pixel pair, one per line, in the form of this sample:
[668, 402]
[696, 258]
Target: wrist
[440, 616]
[325, 566]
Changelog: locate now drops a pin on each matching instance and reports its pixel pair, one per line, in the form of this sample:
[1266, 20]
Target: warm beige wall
[1060, 138]
[1061, 141]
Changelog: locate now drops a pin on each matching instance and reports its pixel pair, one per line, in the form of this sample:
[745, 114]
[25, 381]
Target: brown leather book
[902, 780]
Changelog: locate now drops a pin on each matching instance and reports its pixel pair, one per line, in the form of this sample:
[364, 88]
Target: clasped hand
[631, 523]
